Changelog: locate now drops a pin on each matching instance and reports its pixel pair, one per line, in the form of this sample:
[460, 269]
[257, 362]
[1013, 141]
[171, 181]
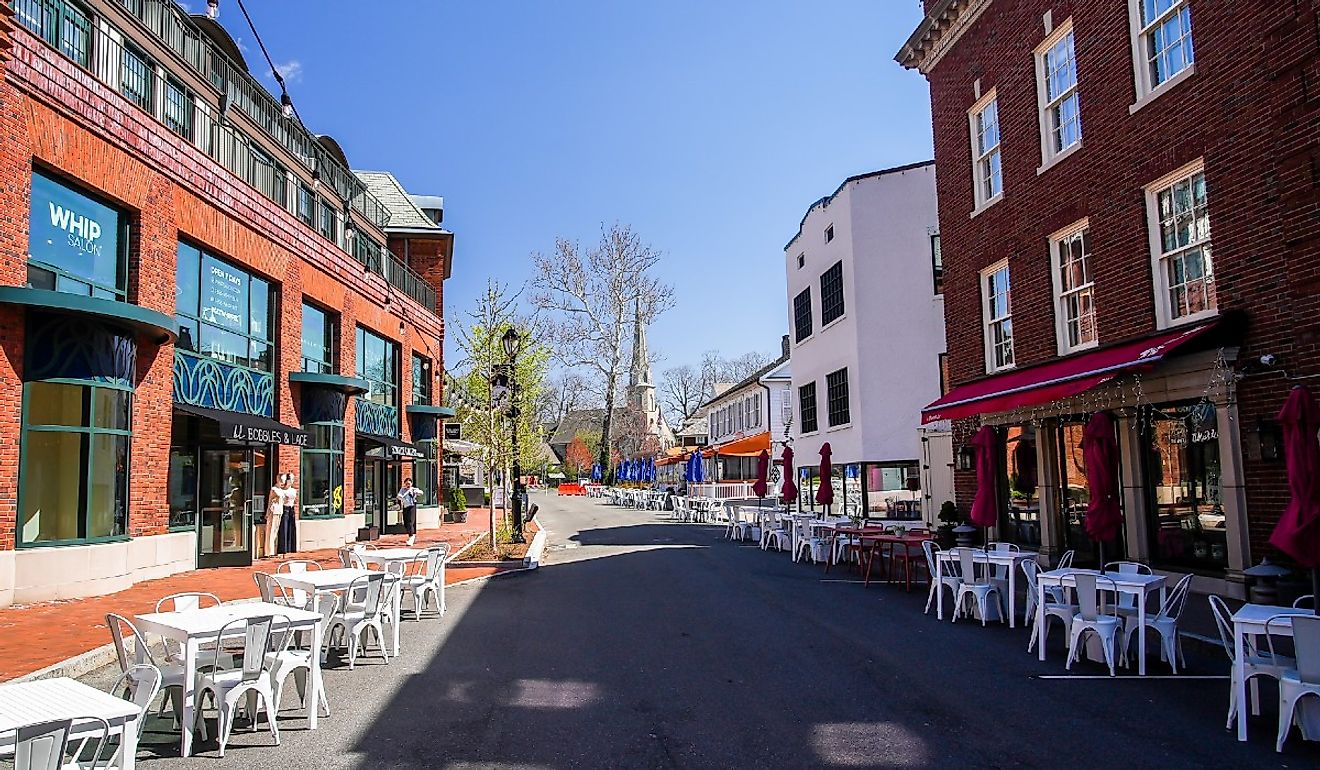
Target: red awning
[1061, 378]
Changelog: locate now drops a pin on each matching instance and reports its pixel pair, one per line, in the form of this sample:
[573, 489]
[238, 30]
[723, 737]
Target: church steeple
[640, 374]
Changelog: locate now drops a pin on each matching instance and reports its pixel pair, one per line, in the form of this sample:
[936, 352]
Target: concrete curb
[465, 548]
[535, 551]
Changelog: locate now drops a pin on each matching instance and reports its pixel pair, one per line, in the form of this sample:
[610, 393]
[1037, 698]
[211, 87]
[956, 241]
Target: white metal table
[1010, 559]
[1250, 620]
[385, 556]
[48, 700]
[1132, 584]
[322, 581]
[191, 628]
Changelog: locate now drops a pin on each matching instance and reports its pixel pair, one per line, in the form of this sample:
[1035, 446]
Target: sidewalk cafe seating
[975, 587]
[1164, 623]
[44, 745]
[1254, 663]
[1053, 607]
[1096, 616]
[139, 685]
[1301, 681]
[170, 674]
[362, 609]
[228, 685]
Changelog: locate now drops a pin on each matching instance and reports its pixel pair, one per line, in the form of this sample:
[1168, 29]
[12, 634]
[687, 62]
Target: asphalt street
[646, 643]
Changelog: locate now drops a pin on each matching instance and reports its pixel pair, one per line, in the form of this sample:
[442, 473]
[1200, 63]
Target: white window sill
[1064, 351]
[835, 322]
[1000, 370]
[809, 433]
[837, 428]
[1162, 88]
[977, 211]
[1059, 158]
[1187, 320]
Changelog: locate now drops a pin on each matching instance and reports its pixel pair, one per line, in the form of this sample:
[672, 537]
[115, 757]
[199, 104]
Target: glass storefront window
[75, 242]
[1021, 521]
[224, 312]
[73, 476]
[322, 477]
[421, 379]
[424, 471]
[183, 487]
[1187, 528]
[888, 491]
[1074, 497]
[320, 336]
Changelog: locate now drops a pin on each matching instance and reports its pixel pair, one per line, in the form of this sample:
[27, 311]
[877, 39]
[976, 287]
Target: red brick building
[196, 295]
[1130, 223]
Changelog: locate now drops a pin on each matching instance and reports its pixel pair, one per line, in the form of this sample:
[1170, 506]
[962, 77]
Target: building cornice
[6, 29]
[938, 32]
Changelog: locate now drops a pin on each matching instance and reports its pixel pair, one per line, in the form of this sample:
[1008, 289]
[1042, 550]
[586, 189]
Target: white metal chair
[1066, 560]
[948, 578]
[228, 685]
[140, 685]
[362, 609]
[1297, 683]
[810, 541]
[182, 602]
[45, 745]
[171, 673]
[774, 533]
[1094, 615]
[1305, 601]
[976, 587]
[1061, 610]
[1256, 665]
[427, 579]
[1165, 623]
[298, 662]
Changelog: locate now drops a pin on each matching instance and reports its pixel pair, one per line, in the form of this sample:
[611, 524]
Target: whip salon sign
[74, 233]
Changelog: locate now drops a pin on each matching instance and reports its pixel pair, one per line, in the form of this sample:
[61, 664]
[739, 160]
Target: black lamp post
[512, 343]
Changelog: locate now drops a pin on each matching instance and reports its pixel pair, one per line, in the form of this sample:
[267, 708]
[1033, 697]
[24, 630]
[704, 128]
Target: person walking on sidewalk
[408, 497]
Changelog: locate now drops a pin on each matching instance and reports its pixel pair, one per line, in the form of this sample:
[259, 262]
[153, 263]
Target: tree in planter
[458, 504]
[577, 457]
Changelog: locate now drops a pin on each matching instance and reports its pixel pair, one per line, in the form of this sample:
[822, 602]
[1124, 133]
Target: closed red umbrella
[825, 491]
[762, 472]
[1298, 531]
[1104, 518]
[788, 491]
[985, 505]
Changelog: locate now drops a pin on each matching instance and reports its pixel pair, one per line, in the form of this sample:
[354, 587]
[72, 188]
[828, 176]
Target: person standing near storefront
[275, 510]
[408, 497]
[288, 534]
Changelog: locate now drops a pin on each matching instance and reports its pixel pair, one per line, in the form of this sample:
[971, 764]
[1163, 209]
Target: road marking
[1128, 678]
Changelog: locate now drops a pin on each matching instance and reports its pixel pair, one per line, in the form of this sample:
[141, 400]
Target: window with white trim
[1180, 246]
[1074, 288]
[1161, 41]
[987, 174]
[1056, 78]
[997, 309]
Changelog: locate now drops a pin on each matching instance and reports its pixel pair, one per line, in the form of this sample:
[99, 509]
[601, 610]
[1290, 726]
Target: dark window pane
[183, 487]
[178, 113]
[260, 315]
[807, 407]
[51, 489]
[107, 509]
[831, 294]
[53, 403]
[137, 79]
[187, 334]
[802, 314]
[187, 285]
[111, 408]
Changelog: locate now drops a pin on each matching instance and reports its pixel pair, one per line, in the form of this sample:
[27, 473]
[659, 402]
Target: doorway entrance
[376, 484]
[231, 494]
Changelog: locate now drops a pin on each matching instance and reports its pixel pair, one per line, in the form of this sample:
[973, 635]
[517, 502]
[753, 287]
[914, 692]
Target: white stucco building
[866, 317]
[747, 417]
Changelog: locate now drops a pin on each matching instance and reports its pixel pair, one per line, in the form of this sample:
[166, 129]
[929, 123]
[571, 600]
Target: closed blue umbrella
[651, 470]
[699, 471]
[595, 471]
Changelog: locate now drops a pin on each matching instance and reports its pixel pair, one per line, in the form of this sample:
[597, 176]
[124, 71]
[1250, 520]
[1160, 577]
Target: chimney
[784, 346]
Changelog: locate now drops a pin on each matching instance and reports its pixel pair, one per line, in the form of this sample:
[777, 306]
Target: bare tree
[566, 392]
[682, 390]
[591, 298]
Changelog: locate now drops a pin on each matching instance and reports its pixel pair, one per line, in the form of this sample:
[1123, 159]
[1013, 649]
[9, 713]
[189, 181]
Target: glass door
[225, 492]
[1075, 496]
[389, 482]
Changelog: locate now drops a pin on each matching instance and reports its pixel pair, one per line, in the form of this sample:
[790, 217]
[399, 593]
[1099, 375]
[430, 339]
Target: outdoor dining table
[191, 628]
[49, 700]
[890, 540]
[387, 556]
[322, 581]
[837, 530]
[1130, 583]
[1009, 559]
[1250, 620]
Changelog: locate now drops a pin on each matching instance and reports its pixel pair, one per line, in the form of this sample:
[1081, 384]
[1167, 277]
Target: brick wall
[57, 115]
[1250, 111]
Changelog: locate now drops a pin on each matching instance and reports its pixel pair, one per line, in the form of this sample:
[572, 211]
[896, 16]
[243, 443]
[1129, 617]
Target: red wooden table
[892, 541]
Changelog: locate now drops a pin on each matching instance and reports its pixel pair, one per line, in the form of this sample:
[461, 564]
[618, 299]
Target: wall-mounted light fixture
[966, 458]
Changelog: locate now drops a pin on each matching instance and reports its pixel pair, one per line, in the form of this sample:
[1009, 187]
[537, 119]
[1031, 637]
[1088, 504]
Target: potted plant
[457, 505]
[949, 518]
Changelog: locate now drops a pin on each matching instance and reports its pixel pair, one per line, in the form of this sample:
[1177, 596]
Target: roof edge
[854, 178]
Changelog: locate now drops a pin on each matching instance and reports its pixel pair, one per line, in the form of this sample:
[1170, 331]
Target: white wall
[45, 574]
[892, 331]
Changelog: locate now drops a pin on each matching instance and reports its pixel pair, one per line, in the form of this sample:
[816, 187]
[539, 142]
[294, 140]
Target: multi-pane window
[421, 379]
[322, 481]
[178, 112]
[269, 177]
[137, 77]
[807, 407]
[1163, 41]
[986, 170]
[831, 294]
[306, 205]
[63, 24]
[224, 312]
[1074, 289]
[802, 315]
[378, 364]
[76, 243]
[75, 462]
[327, 221]
[1061, 119]
[786, 407]
[320, 340]
[998, 310]
[802, 261]
[829, 233]
[836, 398]
[937, 262]
[1185, 282]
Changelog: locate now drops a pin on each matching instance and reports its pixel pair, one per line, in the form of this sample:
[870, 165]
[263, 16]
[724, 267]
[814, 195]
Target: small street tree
[577, 457]
[591, 297]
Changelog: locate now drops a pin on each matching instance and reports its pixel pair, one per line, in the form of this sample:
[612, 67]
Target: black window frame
[837, 409]
[192, 320]
[58, 16]
[390, 386]
[421, 373]
[187, 108]
[130, 57]
[330, 339]
[832, 306]
[829, 233]
[802, 315]
[937, 263]
[807, 408]
[327, 217]
[305, 205]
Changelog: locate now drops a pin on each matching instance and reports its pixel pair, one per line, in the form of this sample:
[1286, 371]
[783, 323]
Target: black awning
[394, 448]
[250, 428]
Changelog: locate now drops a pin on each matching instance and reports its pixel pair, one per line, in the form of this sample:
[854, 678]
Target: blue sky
[708, 126]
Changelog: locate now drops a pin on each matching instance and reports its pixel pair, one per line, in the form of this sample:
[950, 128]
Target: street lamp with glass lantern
[512, 342]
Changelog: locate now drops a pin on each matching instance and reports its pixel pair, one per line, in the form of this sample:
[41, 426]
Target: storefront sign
[404, 451]
[453, 431]
[257, 435]
[73, 232]
[224, 294]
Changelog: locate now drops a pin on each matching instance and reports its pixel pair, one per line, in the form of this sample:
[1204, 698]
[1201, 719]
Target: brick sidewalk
[43, 634]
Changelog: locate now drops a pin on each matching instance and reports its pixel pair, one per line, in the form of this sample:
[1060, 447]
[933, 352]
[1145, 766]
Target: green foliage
[949, 513]
[457, 500]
